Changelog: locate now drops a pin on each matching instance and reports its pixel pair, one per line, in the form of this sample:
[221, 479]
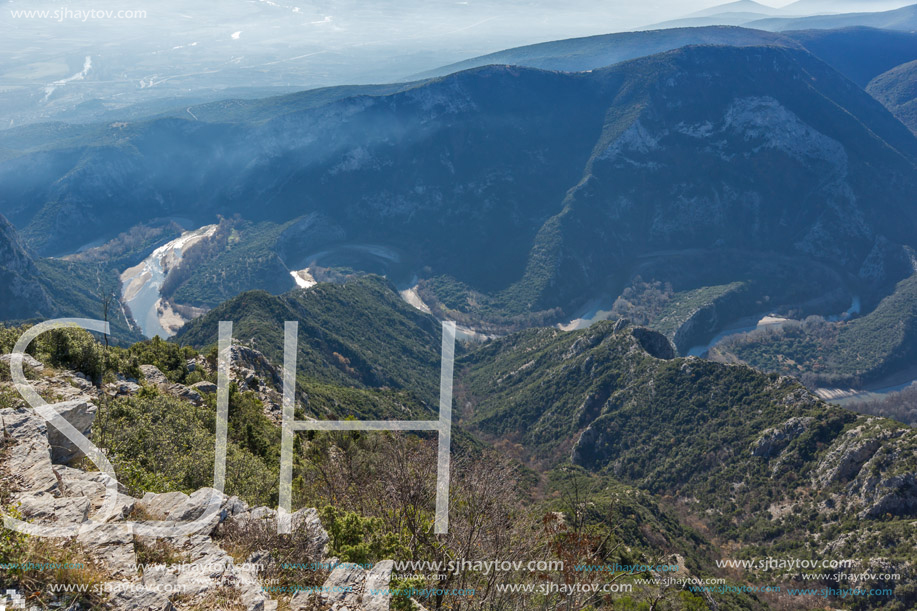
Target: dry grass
[158, 551]
[69, 566]
[241, 539]
[218, 599]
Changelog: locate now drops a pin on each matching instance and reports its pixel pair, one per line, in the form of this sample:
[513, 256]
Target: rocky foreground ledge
[34, 471]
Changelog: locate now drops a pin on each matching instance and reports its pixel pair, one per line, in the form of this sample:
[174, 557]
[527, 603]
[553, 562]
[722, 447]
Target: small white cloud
[235, 35]
[327, 19]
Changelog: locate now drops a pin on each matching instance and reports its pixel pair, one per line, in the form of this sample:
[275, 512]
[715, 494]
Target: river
[141, 285]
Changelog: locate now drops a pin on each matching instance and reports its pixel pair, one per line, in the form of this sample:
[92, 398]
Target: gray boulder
[122, 388]
[205, 387]
[375, 595]
[79, 413]
[28, 362]
[110, 544]
[127, 596]
[45, 508]
[29, 458]
[180, 507]
[305, 522]
[344, 586]
[94, 486]
[158, 379]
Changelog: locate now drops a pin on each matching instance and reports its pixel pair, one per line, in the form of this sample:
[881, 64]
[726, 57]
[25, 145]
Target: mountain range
[755, 149]
[736, 169]
[904, 19]
[802, 15]
[859, 53]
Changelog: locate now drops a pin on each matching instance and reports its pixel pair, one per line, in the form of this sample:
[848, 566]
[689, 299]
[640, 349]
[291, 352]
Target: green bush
[159, 443]
[359, 539]
[74, 349]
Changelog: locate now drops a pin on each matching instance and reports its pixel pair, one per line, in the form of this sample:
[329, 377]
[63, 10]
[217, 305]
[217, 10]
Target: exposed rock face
[344, 587]
[29, 459]
[205, 387]
[81, 414]
[847, 456]
[874, 465]
[65, 386]
[208, 567]
[249, 368]
[350, 587]
[248, 364]
[127, 597]
[308, 519]
[94, 487]
[583, 344]
[111, 545]
[253, 371]
[64, 496]
[46, 507]
[773, 441]
[375, 595]
[159, 380]
[28, 362]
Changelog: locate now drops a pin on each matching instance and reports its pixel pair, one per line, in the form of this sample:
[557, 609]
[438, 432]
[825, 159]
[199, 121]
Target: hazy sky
[363, 21]
[298, 42]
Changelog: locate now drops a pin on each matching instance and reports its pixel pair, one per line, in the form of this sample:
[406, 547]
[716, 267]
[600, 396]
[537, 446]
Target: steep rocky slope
[23, 295]
[99, 534]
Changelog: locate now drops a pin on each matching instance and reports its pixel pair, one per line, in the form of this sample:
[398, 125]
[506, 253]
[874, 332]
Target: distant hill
[739, 6]
[904, 19]
[670, 170]
[897, 90]
[35, 288]
[821, 14]
[731, 13]
[683, 427]
[718, 19]
[813, 7]
[589, 53]
[860, 54]
[825, 354]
